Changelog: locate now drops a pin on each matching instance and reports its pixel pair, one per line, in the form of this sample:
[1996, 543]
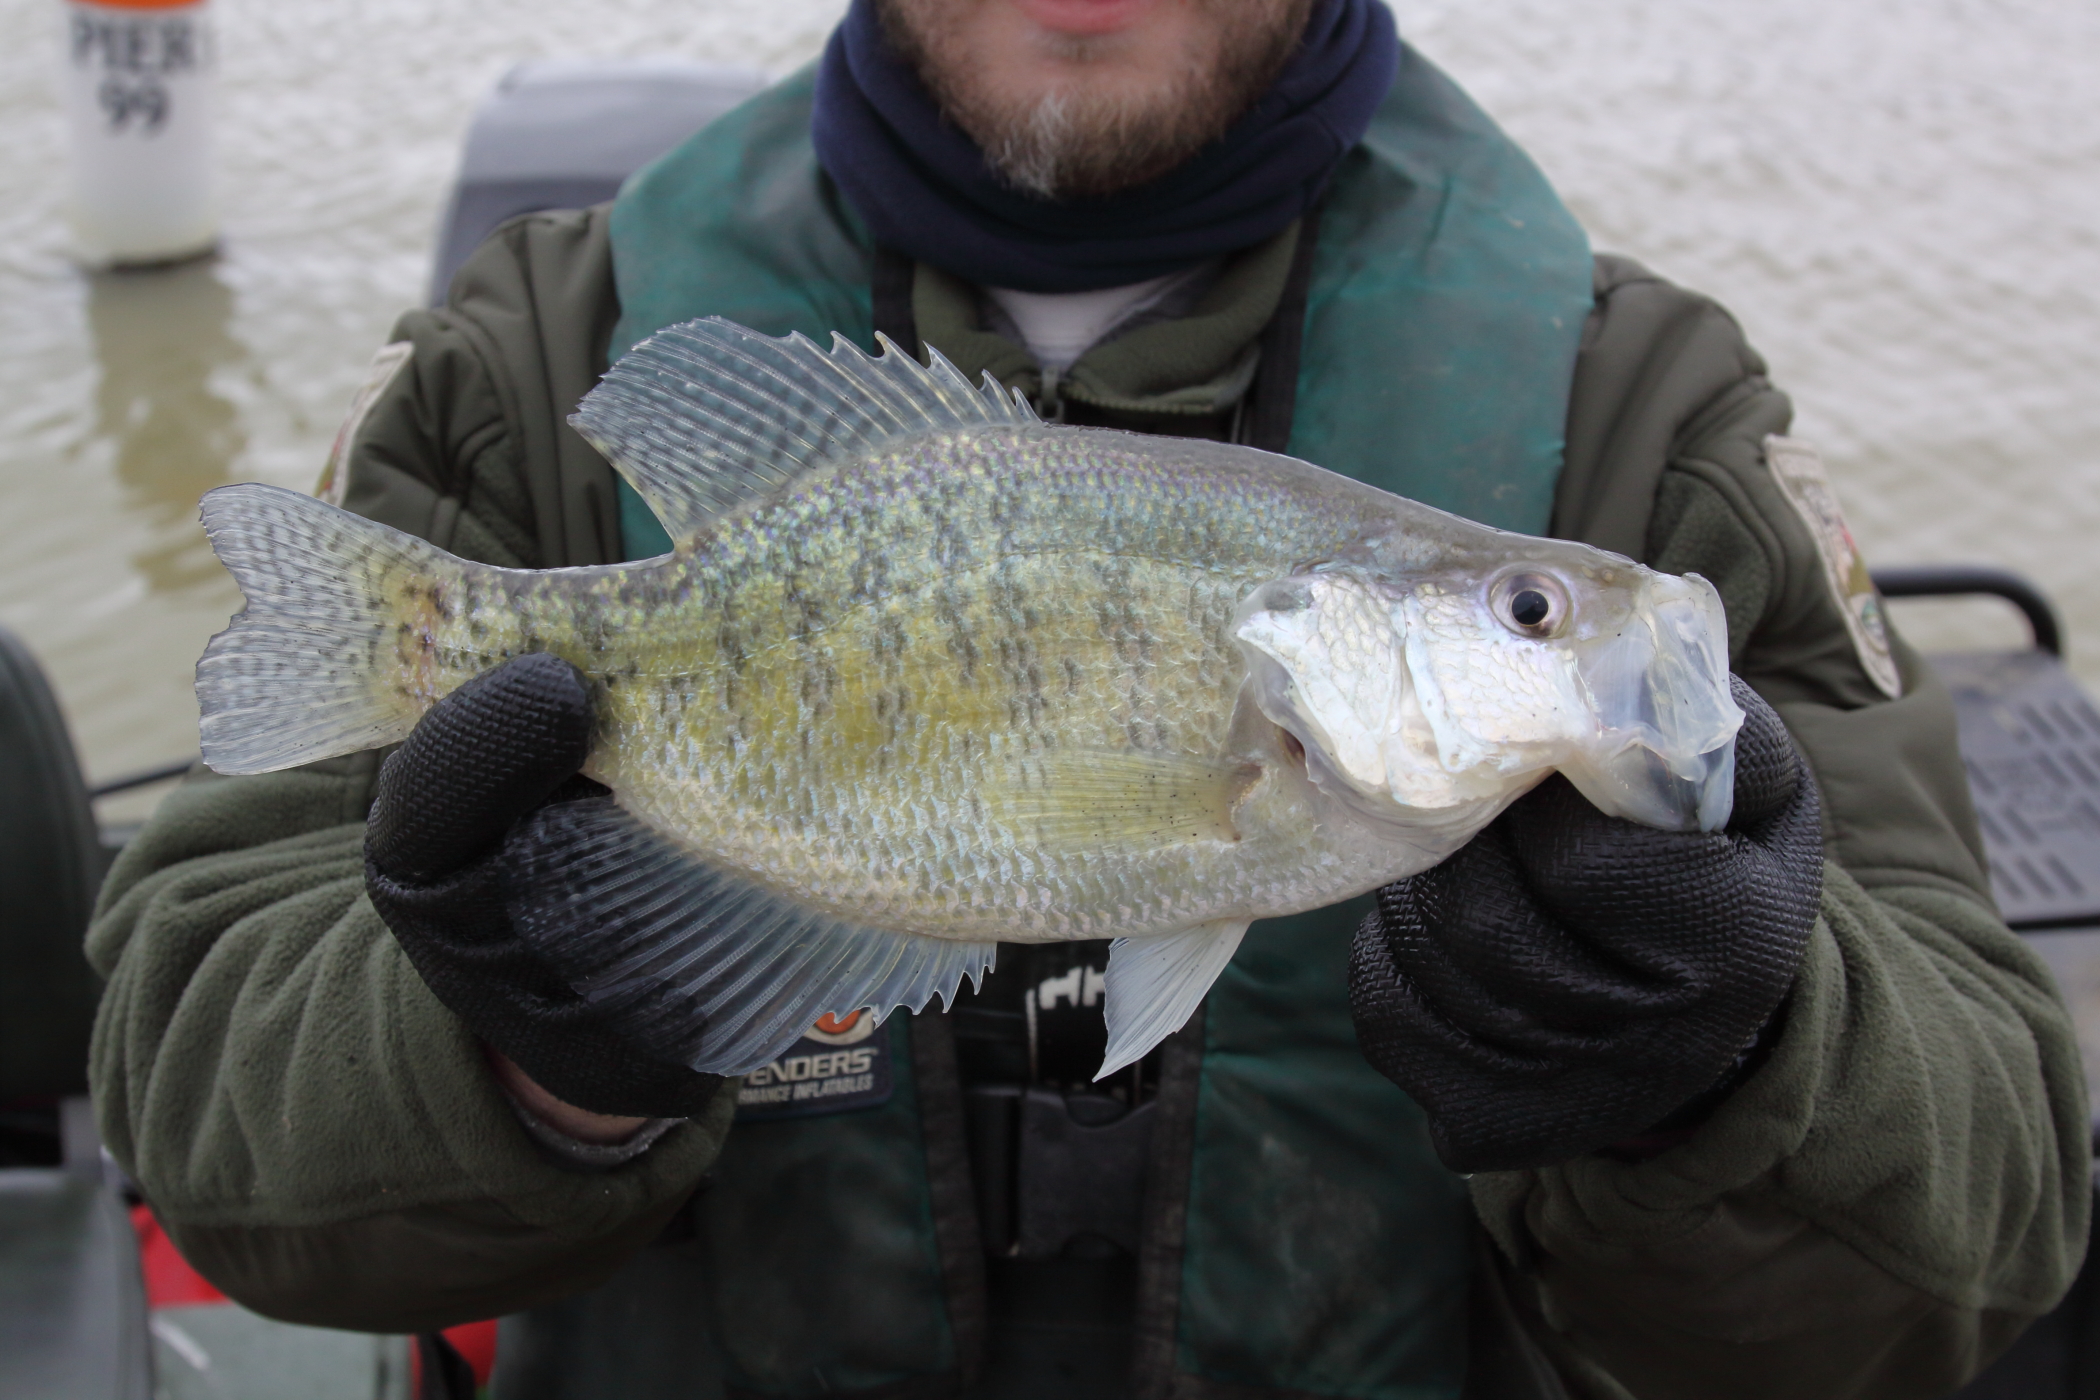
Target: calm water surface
[1899, 198]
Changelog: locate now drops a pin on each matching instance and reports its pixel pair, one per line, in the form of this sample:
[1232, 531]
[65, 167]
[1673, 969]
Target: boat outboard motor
[72, 1304]
[564, 134]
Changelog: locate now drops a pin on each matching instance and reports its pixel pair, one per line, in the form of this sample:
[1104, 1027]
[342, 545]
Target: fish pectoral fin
[702, 964]
[706, 415]
[1156, 983]
[1125, 797]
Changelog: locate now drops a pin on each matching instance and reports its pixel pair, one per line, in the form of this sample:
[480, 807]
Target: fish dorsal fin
[702, 964]
[705, 415]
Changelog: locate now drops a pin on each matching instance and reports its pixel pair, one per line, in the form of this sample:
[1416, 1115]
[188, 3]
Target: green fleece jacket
[1876, 1212]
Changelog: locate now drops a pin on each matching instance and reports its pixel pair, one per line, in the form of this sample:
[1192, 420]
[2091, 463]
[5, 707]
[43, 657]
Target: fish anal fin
[1155, 984]
[1128, 797]
[703, 963]
[705, 416]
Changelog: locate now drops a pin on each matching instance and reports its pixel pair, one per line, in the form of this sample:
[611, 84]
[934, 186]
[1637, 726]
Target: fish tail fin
[297, 675]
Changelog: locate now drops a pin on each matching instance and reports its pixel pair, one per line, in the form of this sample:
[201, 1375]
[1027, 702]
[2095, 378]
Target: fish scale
[923, 674]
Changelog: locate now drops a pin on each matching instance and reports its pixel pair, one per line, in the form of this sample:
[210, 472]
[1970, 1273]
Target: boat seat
[2030, 740]
[50, 866]
[72, 1304]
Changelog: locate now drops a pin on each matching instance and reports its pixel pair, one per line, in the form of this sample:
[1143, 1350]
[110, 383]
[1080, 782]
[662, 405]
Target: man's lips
[1084, 16]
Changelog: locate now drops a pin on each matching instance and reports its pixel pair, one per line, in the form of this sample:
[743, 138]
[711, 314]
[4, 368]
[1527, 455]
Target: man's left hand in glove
[1570, 980]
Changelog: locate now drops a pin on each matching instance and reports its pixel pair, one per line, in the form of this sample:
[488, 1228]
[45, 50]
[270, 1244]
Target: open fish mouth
[1664, 753]
[1642, 785]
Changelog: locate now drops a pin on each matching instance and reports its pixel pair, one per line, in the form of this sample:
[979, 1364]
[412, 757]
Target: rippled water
[1899, 198]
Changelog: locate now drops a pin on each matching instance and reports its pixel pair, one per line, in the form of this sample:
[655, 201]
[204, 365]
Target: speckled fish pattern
[867, 693]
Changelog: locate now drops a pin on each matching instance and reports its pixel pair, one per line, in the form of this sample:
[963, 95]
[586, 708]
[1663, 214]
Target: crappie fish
[923, 674]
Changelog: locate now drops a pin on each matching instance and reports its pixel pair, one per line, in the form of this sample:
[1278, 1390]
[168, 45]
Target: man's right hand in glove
[1570, 981]
[453, 828]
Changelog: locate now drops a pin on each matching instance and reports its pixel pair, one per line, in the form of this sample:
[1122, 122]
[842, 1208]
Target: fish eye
[1531, 605]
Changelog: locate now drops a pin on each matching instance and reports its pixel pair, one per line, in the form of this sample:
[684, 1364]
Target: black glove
[452, 832]
[1569, 980]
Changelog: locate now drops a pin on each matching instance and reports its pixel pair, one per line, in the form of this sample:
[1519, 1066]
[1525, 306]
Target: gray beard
[1080, 144]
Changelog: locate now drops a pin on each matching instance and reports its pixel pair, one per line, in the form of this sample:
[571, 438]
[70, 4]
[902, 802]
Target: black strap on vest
[1054, 1154]
[1272, 400]
[891, 283]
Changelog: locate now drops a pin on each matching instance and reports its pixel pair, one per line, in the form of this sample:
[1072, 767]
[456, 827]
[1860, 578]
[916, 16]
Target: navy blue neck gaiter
[925, 189]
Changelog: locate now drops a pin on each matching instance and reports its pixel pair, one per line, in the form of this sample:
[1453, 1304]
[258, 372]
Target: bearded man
[1589, 1110]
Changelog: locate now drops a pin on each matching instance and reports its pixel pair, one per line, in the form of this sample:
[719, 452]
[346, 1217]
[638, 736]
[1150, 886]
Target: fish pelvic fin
[1155, 984]
[705, 415]
[297, 675]
[702, 963]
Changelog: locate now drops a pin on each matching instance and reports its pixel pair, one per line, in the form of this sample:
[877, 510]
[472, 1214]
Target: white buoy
[139, 98]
